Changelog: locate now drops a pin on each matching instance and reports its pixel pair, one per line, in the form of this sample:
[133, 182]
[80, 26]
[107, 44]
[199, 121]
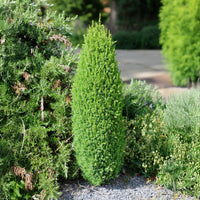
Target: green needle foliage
[180, 39]
[97, 109]
[36, 66]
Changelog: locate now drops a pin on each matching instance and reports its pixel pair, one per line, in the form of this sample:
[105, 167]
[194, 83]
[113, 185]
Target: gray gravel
[123, 188]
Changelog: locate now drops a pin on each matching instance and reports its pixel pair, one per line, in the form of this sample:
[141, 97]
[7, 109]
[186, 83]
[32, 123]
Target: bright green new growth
[180, 39]
[97, 109]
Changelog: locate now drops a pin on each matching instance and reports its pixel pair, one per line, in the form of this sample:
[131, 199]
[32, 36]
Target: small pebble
[136, 188]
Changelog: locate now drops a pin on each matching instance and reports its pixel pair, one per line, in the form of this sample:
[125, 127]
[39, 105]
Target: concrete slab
[140, 64]
[147, 65]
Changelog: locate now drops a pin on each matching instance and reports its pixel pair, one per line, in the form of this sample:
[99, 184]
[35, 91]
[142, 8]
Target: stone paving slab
[141, 64]
[147, 65]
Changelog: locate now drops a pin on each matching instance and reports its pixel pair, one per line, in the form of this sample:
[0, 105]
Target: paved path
[142, 64]
[146, 65]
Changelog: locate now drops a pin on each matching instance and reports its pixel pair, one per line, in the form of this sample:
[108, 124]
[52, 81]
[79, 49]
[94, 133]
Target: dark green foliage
[97, 109]
[180, 39]
[36, 67]
[136, 14]
[181, 171]
[145, 142]
[147, 38]
[87, 10]
[127, 40]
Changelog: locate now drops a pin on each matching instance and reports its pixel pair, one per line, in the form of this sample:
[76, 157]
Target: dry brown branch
[42, 108]
[3, 40]
[24, 134]
[51, 173]
[27, 176]
[26, 76]
[19, 87]
[61, 38]
[57, 84]
[39, 196]
[68, 100]
[65, 67]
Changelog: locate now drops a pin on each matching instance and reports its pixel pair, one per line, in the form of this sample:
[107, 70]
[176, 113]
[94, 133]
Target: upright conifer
[97, 109]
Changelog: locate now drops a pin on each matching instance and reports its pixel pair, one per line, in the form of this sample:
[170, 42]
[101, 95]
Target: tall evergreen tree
[97, 109]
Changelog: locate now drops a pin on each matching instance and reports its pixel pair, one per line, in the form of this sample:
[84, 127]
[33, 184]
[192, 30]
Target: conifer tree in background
[36, 66]
[180, 39]
[97, 109]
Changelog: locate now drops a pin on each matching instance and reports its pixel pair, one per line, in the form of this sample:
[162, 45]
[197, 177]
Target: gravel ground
[123, 188]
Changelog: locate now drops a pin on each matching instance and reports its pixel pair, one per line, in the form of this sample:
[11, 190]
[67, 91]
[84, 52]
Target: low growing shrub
[181, 171]
[97, 109]
[145, 141]
[36, 67]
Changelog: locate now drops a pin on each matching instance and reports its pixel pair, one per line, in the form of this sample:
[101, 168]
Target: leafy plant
[36, 67]
[145, 141]
[97, 109]
[180, 39]
[181, 171]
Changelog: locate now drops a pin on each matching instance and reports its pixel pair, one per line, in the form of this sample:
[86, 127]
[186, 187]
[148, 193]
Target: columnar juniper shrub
[36, 67]
[180, 39]
[145, 141]
[97, 109]
[181, 171]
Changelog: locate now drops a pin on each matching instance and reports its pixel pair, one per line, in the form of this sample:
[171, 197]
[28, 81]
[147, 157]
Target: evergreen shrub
[180, 39]
[97, 109]
[144, 138]
[36, 67]
[181, 170]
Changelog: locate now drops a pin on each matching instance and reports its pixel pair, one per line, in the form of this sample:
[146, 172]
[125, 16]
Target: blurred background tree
[125, 19]
[87, 10]
[136, 14]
